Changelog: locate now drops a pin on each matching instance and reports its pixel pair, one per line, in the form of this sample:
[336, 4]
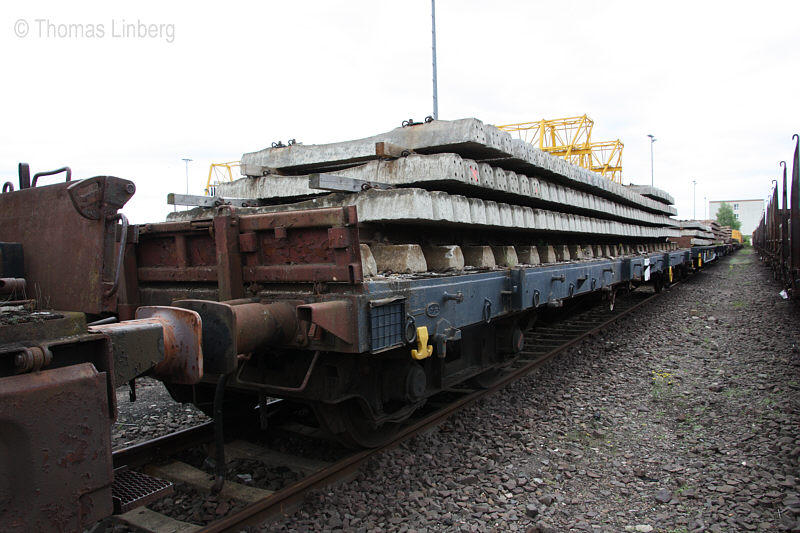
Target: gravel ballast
[681, 418]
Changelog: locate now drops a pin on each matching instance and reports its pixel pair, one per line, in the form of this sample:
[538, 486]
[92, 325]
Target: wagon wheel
[351, 426]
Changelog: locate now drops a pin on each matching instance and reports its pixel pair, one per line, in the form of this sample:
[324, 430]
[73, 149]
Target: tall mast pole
[433, 36]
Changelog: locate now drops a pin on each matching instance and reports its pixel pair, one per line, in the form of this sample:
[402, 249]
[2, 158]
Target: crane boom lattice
[571, 138]
[218, 173]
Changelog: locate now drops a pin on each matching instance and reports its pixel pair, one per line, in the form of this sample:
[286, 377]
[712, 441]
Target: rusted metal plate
[229, 259]
[335, 317]
[138, 346]
[55, 465]
[67, 222]
[315, 245]
[164, 341]
[183, 340]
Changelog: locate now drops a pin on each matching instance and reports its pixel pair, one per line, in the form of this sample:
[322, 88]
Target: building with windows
[749, 212]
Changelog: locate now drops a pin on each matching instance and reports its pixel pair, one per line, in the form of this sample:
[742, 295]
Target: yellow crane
[571, 138]
[219, 172]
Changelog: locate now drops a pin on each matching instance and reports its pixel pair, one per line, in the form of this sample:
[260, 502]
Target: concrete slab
[562, 194]
[536, 190]
[486, 176]
[414, 169]
[468, 137]
[574, 252]
[518, 214]
[500, 179]
[396, 204]
[512, 179]
[492, 214]
[547, 254]
[550, 222]
[442, 206]
[505, 256]
[652, 192]
[368, 265]
[562, 252]
[443, 258]
[472, 173]
[477, 211]
[529, 216]
[268, 187]
[544, 191]
[506, 215]
[461, 135]
[478, 256]
[528, 255]
[399, 258]
[420, 205]
[461, 211]
[524, 185]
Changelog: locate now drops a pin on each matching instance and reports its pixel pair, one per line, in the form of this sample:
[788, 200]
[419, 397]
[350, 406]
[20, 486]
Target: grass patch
[661, 385]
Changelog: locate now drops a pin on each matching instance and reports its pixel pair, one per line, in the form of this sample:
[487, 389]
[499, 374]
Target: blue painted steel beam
[444, 304]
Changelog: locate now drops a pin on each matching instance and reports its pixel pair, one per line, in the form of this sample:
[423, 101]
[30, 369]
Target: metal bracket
[210, 201]
[330, 182]
[457, 297]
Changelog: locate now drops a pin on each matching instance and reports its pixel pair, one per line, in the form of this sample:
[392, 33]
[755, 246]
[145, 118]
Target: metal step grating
[133, 489]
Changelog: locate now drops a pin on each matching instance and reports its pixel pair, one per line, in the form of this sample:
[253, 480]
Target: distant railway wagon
[777, 237]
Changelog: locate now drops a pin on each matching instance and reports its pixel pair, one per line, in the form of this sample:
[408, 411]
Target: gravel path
[152, 415]
[683, 418]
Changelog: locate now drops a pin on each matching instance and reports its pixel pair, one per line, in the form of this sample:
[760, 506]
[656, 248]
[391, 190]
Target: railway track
[158, 457]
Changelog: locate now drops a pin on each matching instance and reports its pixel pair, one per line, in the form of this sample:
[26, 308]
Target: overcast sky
[717, 83]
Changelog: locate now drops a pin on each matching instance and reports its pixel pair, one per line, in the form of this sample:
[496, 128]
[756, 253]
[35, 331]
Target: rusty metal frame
[777, 236]
[75, 221]
[319, 245]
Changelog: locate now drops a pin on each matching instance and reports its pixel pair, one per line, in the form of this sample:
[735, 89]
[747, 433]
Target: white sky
[717, 83]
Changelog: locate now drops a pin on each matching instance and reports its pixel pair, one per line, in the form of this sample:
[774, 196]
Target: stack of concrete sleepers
[694, 233]
[726, 232]
[720, 235]
[463, 194]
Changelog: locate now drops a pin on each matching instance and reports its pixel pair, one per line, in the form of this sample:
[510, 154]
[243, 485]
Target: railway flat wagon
[359, 278]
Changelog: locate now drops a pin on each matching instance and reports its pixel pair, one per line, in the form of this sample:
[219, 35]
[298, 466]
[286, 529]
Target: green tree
[725, 217]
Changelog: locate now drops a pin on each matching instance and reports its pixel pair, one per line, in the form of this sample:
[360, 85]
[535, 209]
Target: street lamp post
[694, 201]
[652, 140]
[186, 161]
